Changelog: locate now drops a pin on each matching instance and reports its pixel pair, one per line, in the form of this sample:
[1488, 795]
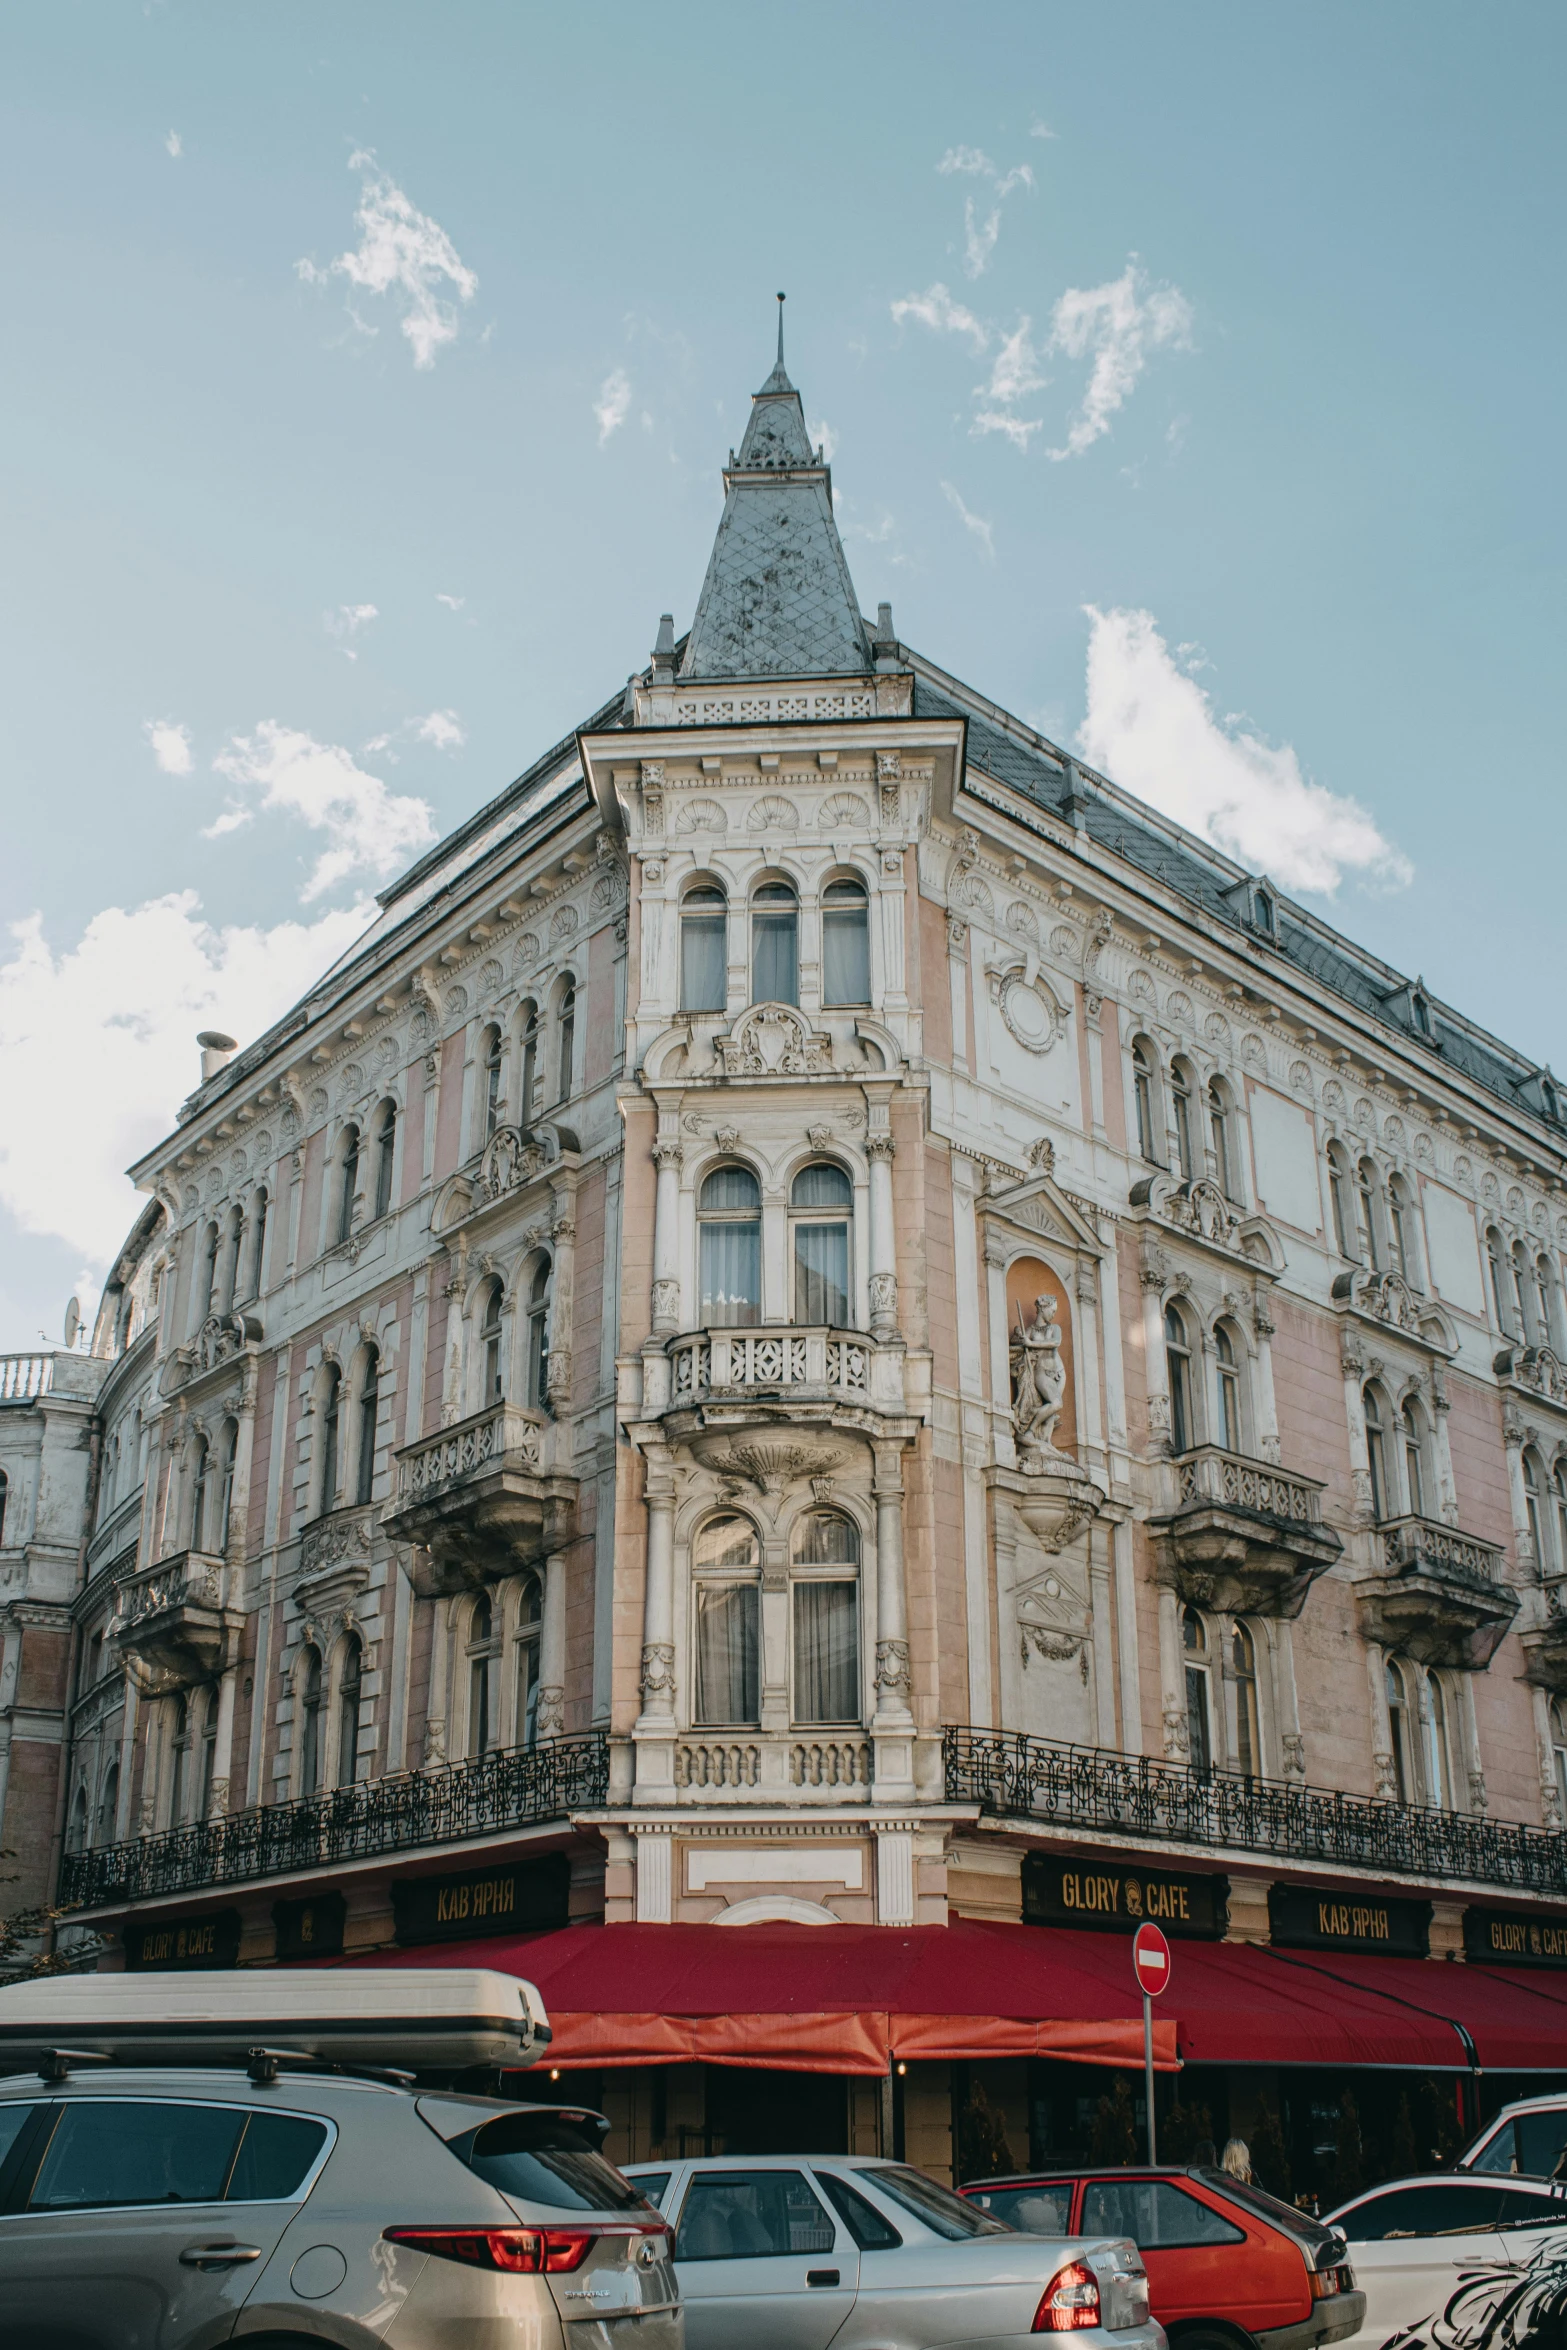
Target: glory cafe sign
[1079, 1893]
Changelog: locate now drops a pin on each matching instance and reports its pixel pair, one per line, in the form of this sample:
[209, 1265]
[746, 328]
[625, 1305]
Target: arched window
[775, 944]
[347, 1181]
[729, 1231]
[1143, 1066]
[1376, 1455]
[349, 1687]
[5, 1495]
[530, 1631]
[1534, 1509]
[1366, 1219]
[207, 1279]
[1199, 1713]
[726, 1628]
[1439, 1759]
[385, 1155]
[1398, 1729]
[209, 1752]
[825, 1558]
[704, 949]
[1225, 1171]
[846, 943]
[1227, 1368]
[1181, 1093]
[1264, 905]
[530, 1064]
[200, 1498]
[1403, 1231]
[1178, 1369]
[483, 1656]
[1500, 1299]
[331, 1410]
[1248, 1731]
[233, 1238]
[1417, 1499]
[1542, 1291]
[565, 1043]
[369, 1404]
[539, 1336]
[179, 1761]
[1559, 1751]
[76, 1834]
[1559, 1492]
[256, 1282]
[1518, 1265]
[1338, 1192]
[109, 1805]
[494, 1063]
[228, 1453]
[820, 1199]
[492, 1364]
[308, 1682]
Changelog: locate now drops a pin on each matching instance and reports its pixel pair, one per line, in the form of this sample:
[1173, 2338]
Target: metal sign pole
[1148, 2074]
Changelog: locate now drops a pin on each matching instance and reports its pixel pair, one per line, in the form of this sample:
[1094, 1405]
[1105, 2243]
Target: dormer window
[1265, 914]
[1422, 1011]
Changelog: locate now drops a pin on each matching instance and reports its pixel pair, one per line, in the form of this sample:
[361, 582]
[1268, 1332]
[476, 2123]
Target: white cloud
[452, 603]
[1120, 323]
[404, 254]
[613, 404]
[1153, 729]
[1018, 430]
[174, 145]
[971, 522]
[936, 309]
[170, 745]
[443, 728]
[980, 234]
[979, 238]
[823, 437]
[1040, 130]
[969, 159]
[369, 830]
[353, 617]
[1015, 371]
[112, 1020]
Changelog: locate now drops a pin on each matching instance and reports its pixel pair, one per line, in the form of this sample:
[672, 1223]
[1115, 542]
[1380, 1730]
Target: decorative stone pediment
[222, 1339]
[1038, 1209]
[1199, 1211]
[1536, 1371]
[774, 1040]
[1387, 1301]
[513, 1159]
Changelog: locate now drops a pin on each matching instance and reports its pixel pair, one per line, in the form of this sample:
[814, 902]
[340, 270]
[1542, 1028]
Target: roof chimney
[664, 651]
[217, 1050]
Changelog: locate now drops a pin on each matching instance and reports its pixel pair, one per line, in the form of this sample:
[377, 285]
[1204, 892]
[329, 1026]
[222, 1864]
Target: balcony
[1130, 1800]
[714, 1389]
[180, 1616]
[1438, 1595]
[1243, 1536]
[523, 1787]
[807, 1766]
[480, 1497]
[1544, 1637]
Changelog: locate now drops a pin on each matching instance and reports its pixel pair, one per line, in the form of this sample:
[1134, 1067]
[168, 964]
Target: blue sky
[1261, 363]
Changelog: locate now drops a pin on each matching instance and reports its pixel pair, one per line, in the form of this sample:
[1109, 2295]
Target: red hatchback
[1227, 2265]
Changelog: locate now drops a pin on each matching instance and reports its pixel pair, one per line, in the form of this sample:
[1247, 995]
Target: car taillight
[518, 2251]
[1327, 2281]
[1070, 2300]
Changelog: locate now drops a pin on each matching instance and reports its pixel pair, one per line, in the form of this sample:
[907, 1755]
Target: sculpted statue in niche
[1038, 1381]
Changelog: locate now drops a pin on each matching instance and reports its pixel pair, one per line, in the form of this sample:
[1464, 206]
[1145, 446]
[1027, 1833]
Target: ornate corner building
[827, 1321]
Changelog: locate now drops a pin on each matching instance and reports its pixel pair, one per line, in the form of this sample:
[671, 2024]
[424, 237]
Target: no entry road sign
[1151, 1960]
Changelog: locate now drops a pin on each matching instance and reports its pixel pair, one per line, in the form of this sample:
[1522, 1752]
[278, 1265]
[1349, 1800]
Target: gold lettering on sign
[492, 1897]
[1349, 1922]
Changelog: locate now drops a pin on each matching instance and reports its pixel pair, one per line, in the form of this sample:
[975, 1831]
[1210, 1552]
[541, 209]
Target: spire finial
[781, 300]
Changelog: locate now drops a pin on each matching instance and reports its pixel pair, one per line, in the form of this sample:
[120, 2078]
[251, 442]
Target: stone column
[1447, 1487]
[563, 1232]
[1155, 1375]
[1475, 1769]
[879, 1150]
[1353, 1364]
[658, 1604]
[1266, 1404]
[1381, 1727]
[1292, 1745]
[1090, 1401]
[435, 1710]
[1127, 1653]
[957, 967]
[667, 1158]
[893, 1679]
[1003, 1429]
[1545, 1744]
[1093, 1004]
[223, 1746]
[551, 1717]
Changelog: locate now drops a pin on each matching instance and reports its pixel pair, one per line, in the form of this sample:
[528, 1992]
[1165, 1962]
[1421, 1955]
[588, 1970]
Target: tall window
[5, 1495]
[228, 1453]
[308, 1683]
[1398, 1729]
[1559, 1493]
[207, 1280]
[1178, 1369]
[490, 1354]
[209, 1752]
[539, 1336]
[846, 944]
[1181, 1105]
[775, 944]
[1366, 1214]
[348, 1181]
[1401, 1231]
[200, 1496]
[385, 1155]
[729, 1227]
[530, 1063]
[1229, 1381]
[1518, 1265]
[1224, 1171]
[258, 1244]
[331, 1410]
[826, 1577]
[1534, 1510]
[109, 1805]
[1559, 1750]
[1143, 1097]
[1248, 1735]
[1376, 1455]
[530, 1628]
[1439, 1760]
[1542, 1290]
[179, 1762]
[1415, 1459]
[1199, 1717]
[483, 1651]
[494, 1069]
[369, 1401]
[819, 1204]
[233, 1239]
[349, 1688]
[1338, 1191]
[726, 1631]
[76, 1834]
[704, 949]
[565, 1043]
[1500, 1299]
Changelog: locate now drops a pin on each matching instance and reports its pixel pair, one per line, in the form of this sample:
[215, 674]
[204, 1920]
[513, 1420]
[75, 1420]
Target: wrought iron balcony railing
[517, 1788]
[1135, 1797]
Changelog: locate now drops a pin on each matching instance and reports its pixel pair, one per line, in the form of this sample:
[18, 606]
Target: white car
[796, 2252]
[1447, 2248]
[1530, 2136]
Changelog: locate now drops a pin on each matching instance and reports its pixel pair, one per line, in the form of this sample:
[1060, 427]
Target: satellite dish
[73, 1321]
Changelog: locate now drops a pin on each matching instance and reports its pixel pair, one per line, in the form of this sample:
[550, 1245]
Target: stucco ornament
[1038, 1384]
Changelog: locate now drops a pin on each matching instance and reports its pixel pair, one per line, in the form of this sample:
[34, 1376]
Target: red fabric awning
[1515, 2019]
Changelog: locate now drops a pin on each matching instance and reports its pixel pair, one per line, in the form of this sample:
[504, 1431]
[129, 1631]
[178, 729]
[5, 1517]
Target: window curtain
[703, 978]
[728, 1654]
[775, 974]
[846, 957]
[821, 1273]
[827, 1652]
[731, 1273]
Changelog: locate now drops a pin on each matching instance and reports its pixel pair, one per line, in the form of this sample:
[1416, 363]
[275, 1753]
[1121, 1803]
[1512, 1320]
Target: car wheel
[1200, 2337]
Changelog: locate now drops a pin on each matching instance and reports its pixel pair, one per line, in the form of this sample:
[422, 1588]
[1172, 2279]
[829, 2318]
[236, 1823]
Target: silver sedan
[796, 2252]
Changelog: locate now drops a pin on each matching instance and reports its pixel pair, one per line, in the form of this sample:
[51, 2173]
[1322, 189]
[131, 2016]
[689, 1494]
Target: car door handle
[821, 2276]
[218, 2255]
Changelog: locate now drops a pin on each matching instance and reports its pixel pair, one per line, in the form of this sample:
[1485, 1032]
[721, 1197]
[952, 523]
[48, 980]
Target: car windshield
[944, 2213]
[545, 2158]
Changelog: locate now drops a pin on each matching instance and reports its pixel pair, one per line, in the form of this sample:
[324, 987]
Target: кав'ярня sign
[1303, 1919]
[1060, 1892]
[518, 1898]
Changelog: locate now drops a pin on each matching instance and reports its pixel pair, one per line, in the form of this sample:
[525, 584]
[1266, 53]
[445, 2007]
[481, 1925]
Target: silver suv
[174, 2210]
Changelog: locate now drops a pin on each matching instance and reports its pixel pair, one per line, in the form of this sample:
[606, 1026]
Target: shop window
[825, 1564]
[726, 1628]
[846, 944]
[775, 944]
[704, 949]
[820, 1201]
[729, 1234]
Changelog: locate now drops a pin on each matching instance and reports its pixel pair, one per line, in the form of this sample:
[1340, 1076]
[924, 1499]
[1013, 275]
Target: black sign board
[525, 1898]
[310, 1929]
[1059, 1892]
[1389, 1928]
[1503, 1937]
[207, 1941]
